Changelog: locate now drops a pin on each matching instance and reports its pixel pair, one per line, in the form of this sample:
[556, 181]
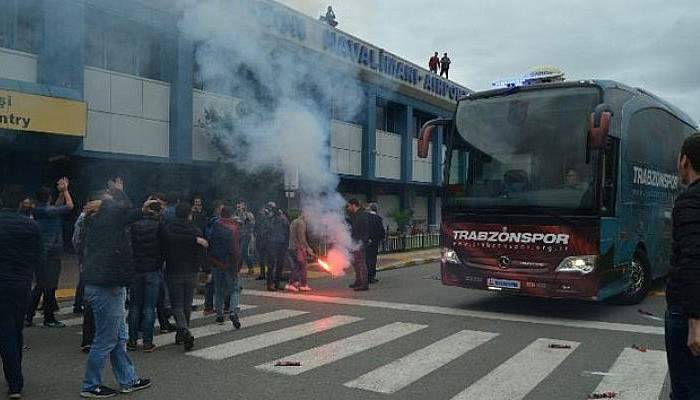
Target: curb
[410, 263]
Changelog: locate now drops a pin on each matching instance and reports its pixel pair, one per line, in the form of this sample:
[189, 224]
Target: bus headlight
[450, 256]
[582, 264]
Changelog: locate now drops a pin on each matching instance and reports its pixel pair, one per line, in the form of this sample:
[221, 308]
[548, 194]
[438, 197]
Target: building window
[131, 48]
[20, 25]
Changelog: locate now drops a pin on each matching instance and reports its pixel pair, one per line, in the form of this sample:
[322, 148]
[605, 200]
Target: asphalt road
[407, 338]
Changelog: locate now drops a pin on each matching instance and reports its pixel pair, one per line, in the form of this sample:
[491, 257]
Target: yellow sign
[28, 112]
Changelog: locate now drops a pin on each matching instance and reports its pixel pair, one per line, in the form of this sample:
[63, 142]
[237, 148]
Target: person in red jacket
[224, 255]
[433, 63]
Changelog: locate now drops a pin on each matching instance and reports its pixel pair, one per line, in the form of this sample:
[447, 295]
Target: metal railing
[398, 243]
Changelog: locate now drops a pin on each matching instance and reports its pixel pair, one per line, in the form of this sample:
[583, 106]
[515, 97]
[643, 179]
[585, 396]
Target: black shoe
[373, 280]
[167, 328]
[139, 385]
[361, 288]
[271, 288]
[86, 348]
[260, 278]
[179, 338]
[235, 321]
[54, 324]
[354, 285]
[28, 323]
[195, 307]
[189, 341]
[131, 345]
[100, 392]
[220, 320]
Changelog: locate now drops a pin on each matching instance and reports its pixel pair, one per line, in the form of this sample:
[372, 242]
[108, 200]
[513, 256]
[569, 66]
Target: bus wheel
[639, 281]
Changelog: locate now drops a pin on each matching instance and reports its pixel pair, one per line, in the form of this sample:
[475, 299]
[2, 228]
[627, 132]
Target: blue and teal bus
[559, 190]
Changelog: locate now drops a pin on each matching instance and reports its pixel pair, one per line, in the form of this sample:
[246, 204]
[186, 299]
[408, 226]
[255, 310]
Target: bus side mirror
[426, 135]
[599, 126]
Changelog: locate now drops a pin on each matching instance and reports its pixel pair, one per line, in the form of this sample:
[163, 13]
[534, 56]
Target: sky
[652, 44]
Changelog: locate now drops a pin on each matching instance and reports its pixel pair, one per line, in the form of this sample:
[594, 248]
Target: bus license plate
[503, 283]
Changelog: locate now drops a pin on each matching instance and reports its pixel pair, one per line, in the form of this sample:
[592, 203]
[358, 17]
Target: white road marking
[572, 323]
[516, 377]
[636, 375]
[194, 316]
[246, 322]
[332, 352]
[397, 375]
[242, 346]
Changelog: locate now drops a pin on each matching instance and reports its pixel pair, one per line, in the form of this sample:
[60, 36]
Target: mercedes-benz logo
[504, 262]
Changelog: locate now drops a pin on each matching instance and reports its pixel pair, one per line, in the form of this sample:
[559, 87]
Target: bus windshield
[523, 150]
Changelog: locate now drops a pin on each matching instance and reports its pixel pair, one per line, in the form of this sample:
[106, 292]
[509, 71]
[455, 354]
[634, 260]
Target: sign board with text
[32, 113]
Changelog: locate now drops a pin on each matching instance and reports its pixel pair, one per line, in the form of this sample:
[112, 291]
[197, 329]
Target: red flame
[325, 266]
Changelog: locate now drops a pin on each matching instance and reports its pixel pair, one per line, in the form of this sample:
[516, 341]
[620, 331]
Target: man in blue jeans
[683, 286]
[148, 267]
[107, 272]
[224, 255]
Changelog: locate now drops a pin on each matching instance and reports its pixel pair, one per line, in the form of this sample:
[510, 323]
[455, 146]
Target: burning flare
[325, 266]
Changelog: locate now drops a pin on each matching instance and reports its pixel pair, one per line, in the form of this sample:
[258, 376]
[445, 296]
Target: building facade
[90, 88]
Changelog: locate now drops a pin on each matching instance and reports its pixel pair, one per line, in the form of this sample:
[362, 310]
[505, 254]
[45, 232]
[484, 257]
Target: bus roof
[604, 84]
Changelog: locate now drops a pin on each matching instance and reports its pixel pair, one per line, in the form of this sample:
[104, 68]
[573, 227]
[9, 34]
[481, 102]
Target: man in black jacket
[21, 250]
[683, 288]
[148, 268]
[183, 245]
[277, 243]
[107, 272]
[359, 224]
[376, 235]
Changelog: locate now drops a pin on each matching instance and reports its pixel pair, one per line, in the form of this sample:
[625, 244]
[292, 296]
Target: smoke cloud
[282, 121]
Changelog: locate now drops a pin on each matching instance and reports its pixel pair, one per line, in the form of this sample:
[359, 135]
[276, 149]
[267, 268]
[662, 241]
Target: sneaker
[235, 321]
[195, 307]
[189, 341]
[361, 288]
[354, 285]
[149, 348]
[305, 288]
[209, 311]
[220, 320]
[271, 288]
[179, 338]
[373, 280]
[54, 324]
[85, 349]
[131, 345]
[15, 395]
[138, 385]
[167, 328]
[100, 392]
[291, 288]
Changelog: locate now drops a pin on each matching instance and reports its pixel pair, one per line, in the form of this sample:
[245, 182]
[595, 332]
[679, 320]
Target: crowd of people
[142, 263]
[443, 63]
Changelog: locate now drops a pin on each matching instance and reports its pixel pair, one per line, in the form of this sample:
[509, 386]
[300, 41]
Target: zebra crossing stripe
[195, 315]
[247, 322]
[268, 339]
[636, 375]
[397, 375]
[516, 377]
[332, 352]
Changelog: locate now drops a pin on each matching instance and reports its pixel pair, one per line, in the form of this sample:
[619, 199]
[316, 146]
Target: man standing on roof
[433, 63]
[445, 66]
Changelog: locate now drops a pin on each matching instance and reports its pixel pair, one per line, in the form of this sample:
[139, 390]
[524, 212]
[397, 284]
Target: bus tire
[640, 277]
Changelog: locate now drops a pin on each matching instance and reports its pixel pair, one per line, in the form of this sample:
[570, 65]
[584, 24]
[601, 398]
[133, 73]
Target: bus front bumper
[547, 285]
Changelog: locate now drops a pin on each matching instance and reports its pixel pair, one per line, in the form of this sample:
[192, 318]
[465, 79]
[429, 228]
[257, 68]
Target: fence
[397, 243]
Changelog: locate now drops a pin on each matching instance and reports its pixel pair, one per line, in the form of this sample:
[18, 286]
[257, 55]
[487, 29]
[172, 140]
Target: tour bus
[559, 190]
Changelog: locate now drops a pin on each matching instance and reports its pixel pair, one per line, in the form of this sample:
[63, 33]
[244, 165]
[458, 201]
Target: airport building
[92, 87]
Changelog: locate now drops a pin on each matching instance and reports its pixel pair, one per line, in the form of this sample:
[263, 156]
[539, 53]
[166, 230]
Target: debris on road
[649, 315]
[559, 346]
[641, 348]
[287, 364]
[603, 395]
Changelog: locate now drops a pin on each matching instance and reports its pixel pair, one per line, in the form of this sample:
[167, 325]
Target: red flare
[325, 266]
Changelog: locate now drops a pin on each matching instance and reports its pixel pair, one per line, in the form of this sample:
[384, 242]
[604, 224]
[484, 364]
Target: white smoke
[283, 121]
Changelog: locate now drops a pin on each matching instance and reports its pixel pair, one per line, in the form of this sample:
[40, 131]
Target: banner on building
[32, 113]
